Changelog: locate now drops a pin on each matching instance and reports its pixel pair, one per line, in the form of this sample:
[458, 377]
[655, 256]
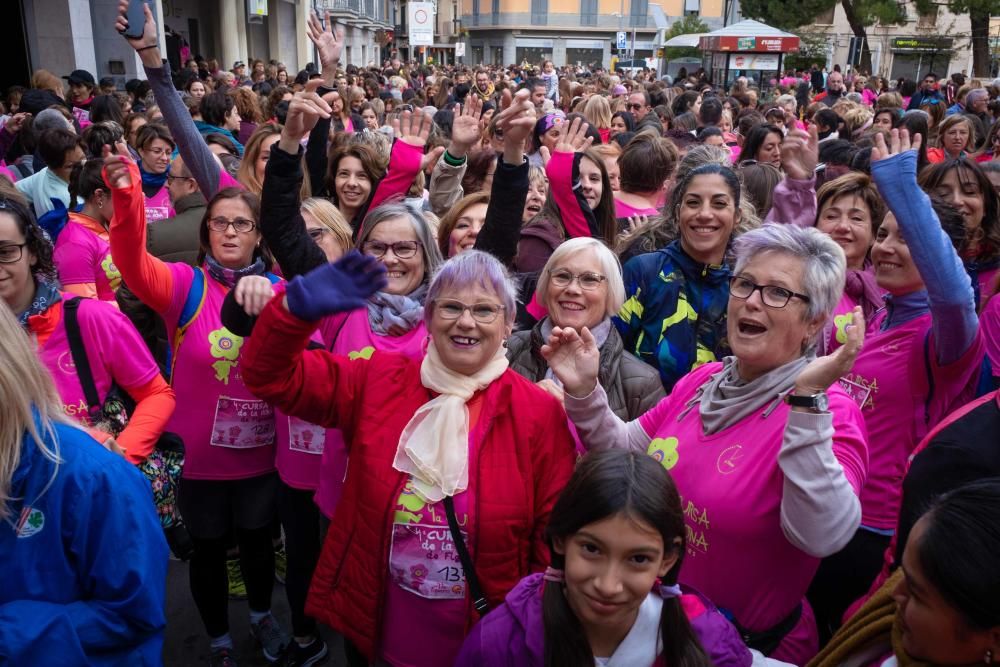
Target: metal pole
[632, 54]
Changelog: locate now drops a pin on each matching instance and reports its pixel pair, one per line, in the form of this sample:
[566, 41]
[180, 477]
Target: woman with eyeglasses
[449, 452]
[768, 453]
[581, 286]
[956, 138]
[229, 485]
[155, 147]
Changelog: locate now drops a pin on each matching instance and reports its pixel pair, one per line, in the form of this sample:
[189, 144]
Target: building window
[826, 18]
[637, 19]
[928, 20]
[588, 12]
[475, 12]
[496, 12]
[692, 7]
[540, 12]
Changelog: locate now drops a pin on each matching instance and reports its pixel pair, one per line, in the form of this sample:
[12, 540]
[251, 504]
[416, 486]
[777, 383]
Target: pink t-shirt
[158, 206]
[731, 488]
[985, 279]
[228, 433]
[989, 324]
[623, 210]
[352, 337]
[115, 351]
[83, 255]
[889, 382]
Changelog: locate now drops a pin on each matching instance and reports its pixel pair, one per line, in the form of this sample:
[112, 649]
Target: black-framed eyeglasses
[772, 295]
[634, 106]
[317, 233]
[171, 177]
[11, 253]
[483, 312]
[240, 225]
[588, 280]
[401, 249]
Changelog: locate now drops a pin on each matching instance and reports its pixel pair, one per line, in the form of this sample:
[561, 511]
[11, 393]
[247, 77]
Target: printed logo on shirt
[111, 272]
[226, 348]
[729, 459]
[31, 522]
[861, 390]
[65, 363]
[363, 353]
[697, 525]
[665, 451]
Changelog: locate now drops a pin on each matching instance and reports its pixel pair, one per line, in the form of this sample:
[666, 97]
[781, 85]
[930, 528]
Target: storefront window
[589, 57]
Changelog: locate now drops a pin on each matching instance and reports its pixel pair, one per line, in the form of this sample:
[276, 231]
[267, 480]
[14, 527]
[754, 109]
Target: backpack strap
[930, 378]
[79, 352]
[478, 597]
[193, 304]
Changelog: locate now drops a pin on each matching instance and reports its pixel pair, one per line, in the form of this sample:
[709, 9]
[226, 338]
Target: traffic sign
[622, 40]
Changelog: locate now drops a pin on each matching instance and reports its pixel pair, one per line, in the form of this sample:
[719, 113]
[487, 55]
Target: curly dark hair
[36, 240]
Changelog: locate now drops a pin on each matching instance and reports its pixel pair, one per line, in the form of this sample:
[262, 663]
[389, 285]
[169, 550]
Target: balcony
[356, 12]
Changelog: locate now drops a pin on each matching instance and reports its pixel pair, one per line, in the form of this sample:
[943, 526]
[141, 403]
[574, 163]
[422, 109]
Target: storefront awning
[750, 36]
[690, 40]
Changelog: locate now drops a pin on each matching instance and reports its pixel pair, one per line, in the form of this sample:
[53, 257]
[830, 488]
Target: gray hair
[50, 119]
[474, 267]
[422, 229]
[610, 267]
[824, 268]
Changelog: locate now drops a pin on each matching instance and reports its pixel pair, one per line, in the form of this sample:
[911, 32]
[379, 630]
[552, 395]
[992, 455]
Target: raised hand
[573, 138]
[637, 221]
[148, 38]
[800, 154]
[117, 172]
[466, 129]
[334, 288]
[413, 129]
[304, 111]
[16, 122]
[329, 43]
[899, 143]
[516, 122]
[824, 371]
[574, 358]
[253, 293]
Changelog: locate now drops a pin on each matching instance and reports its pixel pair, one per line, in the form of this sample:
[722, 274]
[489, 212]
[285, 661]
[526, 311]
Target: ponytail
[566, 643]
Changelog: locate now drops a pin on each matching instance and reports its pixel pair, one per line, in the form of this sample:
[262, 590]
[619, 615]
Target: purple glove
[337, 287]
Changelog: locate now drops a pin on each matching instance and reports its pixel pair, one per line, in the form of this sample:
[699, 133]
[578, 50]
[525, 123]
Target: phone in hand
[136, 18]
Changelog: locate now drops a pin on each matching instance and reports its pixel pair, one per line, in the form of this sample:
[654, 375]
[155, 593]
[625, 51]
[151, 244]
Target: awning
[749, 36]
[690, 39]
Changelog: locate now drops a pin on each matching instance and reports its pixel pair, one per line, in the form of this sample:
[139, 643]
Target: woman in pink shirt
[155, 148]
[768, 453]
[646, 165]
[83, 251]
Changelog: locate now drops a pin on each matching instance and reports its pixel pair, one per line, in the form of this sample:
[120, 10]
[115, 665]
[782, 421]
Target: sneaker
[237, 587]
[307, 656]
[272, 639]
[280, 564]
[222, 657]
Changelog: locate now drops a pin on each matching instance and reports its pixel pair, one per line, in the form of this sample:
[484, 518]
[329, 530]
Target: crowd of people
[501, 365]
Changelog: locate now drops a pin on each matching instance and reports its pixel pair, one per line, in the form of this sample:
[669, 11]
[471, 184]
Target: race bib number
[423, 560]
[157, 213]
[242, 424]
[305, 437]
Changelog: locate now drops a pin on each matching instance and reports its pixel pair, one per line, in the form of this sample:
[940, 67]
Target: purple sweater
[513, 634]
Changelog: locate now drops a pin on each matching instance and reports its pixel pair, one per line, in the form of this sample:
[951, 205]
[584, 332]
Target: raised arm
[148, 277]
[949, 289]
[794, 200]
[563, 171]
[197, 156]
[445, 188]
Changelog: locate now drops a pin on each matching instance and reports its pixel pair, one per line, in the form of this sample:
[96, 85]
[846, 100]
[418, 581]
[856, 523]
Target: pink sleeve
[404, 164]
[560, 173]
[227, 181]
[794, 203]
[850, 439]
[75, 258]
[989, 324]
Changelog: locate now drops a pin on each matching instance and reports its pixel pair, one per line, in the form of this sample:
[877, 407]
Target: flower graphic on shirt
[410, 505]
[111, 272]
[226, 348]
[841, 322]
[664, 450]
[418, 573]
[363, 353]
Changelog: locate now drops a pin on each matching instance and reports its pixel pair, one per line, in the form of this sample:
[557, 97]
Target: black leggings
[209, 580]
[303, 540]
[844, 577]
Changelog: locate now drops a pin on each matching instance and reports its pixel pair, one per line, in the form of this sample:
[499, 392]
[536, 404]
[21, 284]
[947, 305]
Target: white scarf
[434, 446]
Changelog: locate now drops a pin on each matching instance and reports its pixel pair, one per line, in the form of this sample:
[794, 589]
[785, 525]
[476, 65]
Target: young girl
[611, 596]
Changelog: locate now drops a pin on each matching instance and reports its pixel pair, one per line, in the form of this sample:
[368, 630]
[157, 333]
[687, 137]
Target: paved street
[186, 644]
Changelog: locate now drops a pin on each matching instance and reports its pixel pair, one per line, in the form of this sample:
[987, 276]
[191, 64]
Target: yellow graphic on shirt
[363, 353]
[111, 272]
[665, 451]
[409, 505]
[226, 348]
[841, 322]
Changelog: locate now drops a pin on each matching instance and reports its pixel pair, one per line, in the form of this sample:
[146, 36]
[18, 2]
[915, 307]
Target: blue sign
[622, 40]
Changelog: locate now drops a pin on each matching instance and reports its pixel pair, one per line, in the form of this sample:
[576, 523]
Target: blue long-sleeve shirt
[84, 558]
[949, 296]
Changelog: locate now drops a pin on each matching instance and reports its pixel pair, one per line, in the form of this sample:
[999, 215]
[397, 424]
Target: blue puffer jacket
[674, 316]
[84, 560]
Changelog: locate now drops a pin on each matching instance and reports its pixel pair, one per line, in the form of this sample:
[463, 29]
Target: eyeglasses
[317, 233]
[401, 249]
[772, 295]
[171, 177]
[157, 152]
[635, 106]
[483, 312]
[240, 225]
[588, 281]
[11, 253]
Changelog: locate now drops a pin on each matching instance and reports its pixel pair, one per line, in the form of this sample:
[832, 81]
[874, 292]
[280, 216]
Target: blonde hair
[29, 404]
[46, 80]
[598, 112]
[330, 217]
[610, 266]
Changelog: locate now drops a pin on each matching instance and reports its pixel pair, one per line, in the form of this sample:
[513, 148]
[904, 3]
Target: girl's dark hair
[606, 484]
[478, 166]
[220, 139]
[35, 239]
[756, 139]
[253, 203]
[627, 118]
[673, 207]
[646, 163]
[915, 122]
[952, 222]
[896, 115]
[686, 121]
[604, 214]
[969, 172]
[908, 87]
[828, 118]
[84, 180]
[150, 132]
[684, 102]
[215, 106]
[106, 107]
[967, 578]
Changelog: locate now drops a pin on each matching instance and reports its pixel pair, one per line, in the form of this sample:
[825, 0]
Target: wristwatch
[817, 402]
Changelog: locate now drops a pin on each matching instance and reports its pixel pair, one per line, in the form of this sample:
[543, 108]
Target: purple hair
[474, 267]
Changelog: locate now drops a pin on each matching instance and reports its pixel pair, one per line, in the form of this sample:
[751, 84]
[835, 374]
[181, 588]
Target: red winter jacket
[525, 457]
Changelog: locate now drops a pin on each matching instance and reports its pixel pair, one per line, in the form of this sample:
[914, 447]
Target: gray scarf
[600, 333]
[401, 310]
[726, 399]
